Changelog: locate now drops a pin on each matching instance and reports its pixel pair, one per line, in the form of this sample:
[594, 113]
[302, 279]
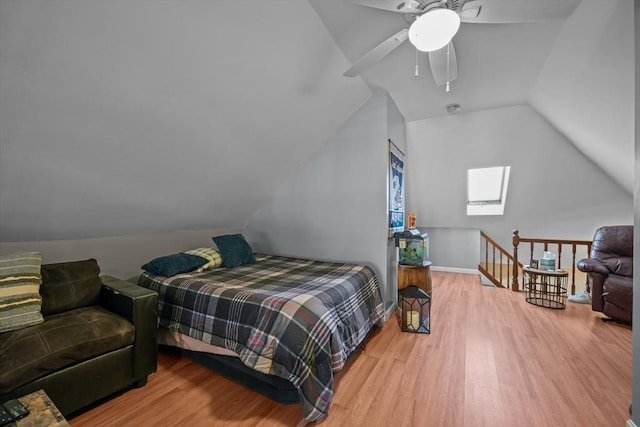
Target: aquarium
[413, 247]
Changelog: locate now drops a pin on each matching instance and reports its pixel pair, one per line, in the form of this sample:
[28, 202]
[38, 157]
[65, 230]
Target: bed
[289, 319]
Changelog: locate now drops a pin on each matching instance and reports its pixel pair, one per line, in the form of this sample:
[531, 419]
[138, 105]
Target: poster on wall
[396, 189]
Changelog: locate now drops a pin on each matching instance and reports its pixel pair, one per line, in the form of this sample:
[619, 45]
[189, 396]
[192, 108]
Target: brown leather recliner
[610, 272]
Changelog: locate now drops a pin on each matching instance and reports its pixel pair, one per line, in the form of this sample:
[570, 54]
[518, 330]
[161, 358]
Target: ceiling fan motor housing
[425, 5]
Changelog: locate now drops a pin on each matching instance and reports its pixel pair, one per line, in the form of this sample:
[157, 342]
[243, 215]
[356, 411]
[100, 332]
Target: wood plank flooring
[491, 360]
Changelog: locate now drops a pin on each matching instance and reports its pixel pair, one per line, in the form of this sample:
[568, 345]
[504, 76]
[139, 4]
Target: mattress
[293, 318]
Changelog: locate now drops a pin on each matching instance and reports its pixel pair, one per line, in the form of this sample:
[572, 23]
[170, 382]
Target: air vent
[453, 108]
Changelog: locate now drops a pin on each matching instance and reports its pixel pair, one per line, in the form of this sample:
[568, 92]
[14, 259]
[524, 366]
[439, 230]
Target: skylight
[487, 190]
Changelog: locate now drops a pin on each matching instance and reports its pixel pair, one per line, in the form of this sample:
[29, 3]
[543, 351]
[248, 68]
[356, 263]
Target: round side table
[546, 288]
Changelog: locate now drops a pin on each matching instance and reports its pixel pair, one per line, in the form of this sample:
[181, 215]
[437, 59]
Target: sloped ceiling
[133, 116]
[498, 64]
[139, 116]
[586, 88]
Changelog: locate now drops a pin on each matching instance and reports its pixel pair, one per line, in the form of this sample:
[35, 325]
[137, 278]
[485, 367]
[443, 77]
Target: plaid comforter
[294, 318]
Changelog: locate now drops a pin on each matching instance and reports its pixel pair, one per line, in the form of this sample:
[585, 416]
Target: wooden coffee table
[42, 412]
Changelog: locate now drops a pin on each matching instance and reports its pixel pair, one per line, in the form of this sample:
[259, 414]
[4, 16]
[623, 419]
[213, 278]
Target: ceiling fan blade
[438, 64]
[377, 53]
[515, 11]
[402, 6]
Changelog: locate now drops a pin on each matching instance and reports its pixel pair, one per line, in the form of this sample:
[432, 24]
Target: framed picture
[396, 189]
[533, 263]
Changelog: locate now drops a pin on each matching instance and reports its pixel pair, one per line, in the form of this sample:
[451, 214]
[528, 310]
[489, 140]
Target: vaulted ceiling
[498, 64]
[577, 72]
[136, 116]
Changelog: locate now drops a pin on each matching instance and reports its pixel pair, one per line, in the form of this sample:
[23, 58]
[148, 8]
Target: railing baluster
[559, 255]
[493, 265]
[573, 269]
[486, 252]
[531, 251]
[516, 241]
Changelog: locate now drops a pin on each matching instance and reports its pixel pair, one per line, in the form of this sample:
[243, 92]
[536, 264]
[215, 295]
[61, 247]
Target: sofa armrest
[140, 306]
[593, 265]
[597, 272]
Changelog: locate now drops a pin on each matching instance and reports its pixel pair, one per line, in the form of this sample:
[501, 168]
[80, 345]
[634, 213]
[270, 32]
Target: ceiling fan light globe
[434, 30]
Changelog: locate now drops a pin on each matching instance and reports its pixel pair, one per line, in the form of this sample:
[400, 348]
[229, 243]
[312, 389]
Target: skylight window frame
[488, 206]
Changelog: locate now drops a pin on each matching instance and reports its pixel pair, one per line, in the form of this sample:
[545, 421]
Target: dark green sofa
[99, 337]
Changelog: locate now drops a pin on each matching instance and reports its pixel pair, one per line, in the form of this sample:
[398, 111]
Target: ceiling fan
[444, 17]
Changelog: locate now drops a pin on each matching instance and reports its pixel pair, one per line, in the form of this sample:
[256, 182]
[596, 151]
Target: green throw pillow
[20, 300]
[234, 249]
[170, 265]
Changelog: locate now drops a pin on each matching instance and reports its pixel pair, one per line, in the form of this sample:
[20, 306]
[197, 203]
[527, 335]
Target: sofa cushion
[20, 300]
[612, 241]
[69, 285]
[62, 340]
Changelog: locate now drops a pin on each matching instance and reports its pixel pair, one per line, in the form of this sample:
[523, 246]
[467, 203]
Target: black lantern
[415, 310]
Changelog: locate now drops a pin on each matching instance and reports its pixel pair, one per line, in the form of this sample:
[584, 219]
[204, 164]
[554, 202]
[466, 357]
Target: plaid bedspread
[294, 318]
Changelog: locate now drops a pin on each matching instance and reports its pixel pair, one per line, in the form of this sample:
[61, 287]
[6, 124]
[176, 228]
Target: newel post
[516, 242]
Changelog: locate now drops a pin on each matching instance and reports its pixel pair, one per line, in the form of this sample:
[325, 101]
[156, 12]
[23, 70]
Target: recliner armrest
[140, 306]
[593, 265]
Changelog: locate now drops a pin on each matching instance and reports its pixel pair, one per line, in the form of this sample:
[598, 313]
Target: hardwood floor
[491, 360]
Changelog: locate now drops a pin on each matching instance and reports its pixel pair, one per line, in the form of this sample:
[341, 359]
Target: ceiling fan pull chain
[447, 89]
[416, 73]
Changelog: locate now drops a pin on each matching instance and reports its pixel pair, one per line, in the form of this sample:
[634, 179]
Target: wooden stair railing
[503, 268]
[558, 244]
[492, 270]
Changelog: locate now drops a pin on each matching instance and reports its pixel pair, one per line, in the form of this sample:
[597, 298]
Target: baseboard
[455, 270]
[630, 423]
[389, 312]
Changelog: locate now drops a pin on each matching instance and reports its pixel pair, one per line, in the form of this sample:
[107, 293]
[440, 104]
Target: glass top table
[546, 288]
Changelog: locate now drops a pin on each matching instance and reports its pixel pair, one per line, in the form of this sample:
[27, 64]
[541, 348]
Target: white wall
[635, 385]
[453, 249]
[396, 132]
[120, 256]
[334, 207]
[554, 190]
